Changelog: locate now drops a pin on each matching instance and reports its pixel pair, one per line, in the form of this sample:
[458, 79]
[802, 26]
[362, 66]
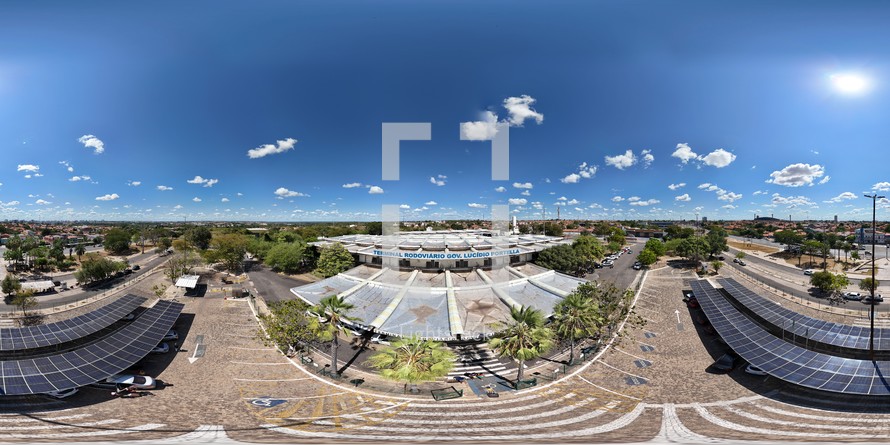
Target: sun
[850, 83]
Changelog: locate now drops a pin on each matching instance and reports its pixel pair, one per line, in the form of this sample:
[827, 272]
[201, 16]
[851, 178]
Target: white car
[65, 393]
[808, 272]
[607, 262]
[171, 335]
[855, 296]
[139, 381]
[161, 348]
[753, 370]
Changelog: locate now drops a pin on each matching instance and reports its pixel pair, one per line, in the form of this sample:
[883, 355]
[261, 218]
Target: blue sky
[754, 107]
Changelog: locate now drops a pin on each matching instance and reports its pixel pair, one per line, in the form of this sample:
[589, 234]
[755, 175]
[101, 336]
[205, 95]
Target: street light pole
[871, 337]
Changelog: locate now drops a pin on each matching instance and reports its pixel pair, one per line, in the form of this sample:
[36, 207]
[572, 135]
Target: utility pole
[871, 337]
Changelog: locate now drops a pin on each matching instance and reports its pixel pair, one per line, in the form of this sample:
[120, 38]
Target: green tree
[617, 237]
[812, 247]
[524, 338]
[740, 255]
[694, 248]
[163, 243]
[412, 360]
[25, 300]
[10, 284]
[330, 315]
[825, 250]
[788, 237]
[588, 249]
[229, 249]
[865, 284]
[577, 316]
[822, 280]
[374, 228]
[675, 231]
[717, 264]
[334, 259]
[117, 241]
[656, 246]
[198, 237]
[647, 257]
[288, 257]
[287, 325]
[80, 250]
[562, 258]
[716, 238]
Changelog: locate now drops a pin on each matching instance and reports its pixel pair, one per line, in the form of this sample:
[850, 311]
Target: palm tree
[524, 337]
[80, 250]
[330, 314]
[577, 316]
[412, 360]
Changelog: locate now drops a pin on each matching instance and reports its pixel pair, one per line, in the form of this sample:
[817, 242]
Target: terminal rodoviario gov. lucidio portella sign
[443, 255]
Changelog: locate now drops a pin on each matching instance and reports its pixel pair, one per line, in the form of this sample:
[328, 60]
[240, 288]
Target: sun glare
[848, 83]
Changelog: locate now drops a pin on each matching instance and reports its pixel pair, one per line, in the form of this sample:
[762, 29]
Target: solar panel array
[835, 334]
[786, 361]
[94, 362]
[17, 339]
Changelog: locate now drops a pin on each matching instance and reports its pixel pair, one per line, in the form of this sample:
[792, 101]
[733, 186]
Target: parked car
[638, 265]
[161, 348]
[735, 260]
[692, 303]
[726, 363]
[808, 272]
[720, 258]
[597, 265]
[139, 381]
[129, 317]
[877, 299]
[742, 263]
[701, 319]
[136, 267]
[65, 393]
[608, 263]
[855, 296]
[171, 335]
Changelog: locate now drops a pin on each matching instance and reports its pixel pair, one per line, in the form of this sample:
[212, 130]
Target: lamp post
[871, 336]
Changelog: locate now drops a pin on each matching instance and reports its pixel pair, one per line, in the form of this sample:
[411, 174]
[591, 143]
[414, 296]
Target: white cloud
[684, 153]
[68, 166]
[482, 130]
[271, 149]
[404, 207]
[718, 158]
[523, 185]
[134, 183]
[431, 203]
[704, 186]
[79, 178]
[647, 158]
[439, 181]
[282, 192]
[196, 199]
[176, 207]
[240, 194]
[42, 202]
[684, 197]
[573, 202]
[572, 178]
[881, 186]
[352, 185]
[729, 207]
[843, 196]
[645, 203]
[110, 197]
[90, 141]
[500, 189]
[374, 190]
[760, 192]
[796, 175]
[200, 180]
[617, 199]
[825, 179]
[28, 168]
[517, 201]
[791, 201]
[537, 205]
[476, 205]
[224, 200]
[633, 198]
[621, 162]
[729, 196]
[164, 188]
[519, 109]
[676, 186]
[526, 193]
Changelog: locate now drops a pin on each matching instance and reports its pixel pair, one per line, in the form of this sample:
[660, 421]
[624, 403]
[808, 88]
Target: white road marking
[260, 364]
[608, 390]
[270, 380]
[710, 417]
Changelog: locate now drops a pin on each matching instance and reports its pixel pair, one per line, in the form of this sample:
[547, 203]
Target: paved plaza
[650, 386]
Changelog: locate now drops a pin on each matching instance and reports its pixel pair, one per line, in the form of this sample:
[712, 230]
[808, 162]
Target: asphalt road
[792, 289]
[272, 286]
[623, 274]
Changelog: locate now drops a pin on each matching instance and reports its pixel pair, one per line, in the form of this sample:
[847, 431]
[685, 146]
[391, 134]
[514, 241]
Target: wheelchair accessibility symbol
[266, 402]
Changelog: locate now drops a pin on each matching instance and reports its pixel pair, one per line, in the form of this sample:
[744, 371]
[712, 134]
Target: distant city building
[864, 235]
[835, 219]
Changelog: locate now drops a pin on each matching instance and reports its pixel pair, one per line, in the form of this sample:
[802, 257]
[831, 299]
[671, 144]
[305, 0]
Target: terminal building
[443, 285]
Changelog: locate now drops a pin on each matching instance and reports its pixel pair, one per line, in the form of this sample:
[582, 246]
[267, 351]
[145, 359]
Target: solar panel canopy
[787, 361]
[31, 337]
[93, 362]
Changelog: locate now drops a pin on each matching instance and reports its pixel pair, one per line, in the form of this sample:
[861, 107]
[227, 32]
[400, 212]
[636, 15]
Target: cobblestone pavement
[650, 386]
